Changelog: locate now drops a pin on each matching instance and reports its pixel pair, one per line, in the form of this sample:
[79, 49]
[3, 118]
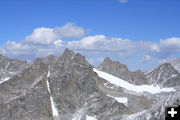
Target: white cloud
[46, 41]
[69, 30]
[41, 36]
[123, 1]
[46, 36]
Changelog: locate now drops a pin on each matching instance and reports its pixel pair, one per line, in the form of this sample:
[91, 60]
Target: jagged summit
[70, 58]
[175, 62]
[115, 68]
[164, 75]
[121, 71]
[69, 85]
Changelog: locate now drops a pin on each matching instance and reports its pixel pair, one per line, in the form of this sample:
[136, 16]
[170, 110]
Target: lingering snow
[54, 109]
[48, 75]
[120, 99]
[6, 79]
[48, 86]
[122, 83]
[79, 114]
[90, 118]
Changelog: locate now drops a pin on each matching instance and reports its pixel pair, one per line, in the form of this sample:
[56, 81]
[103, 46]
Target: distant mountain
[175, 62]
[121, 71]
[69, 88]
[164, 75]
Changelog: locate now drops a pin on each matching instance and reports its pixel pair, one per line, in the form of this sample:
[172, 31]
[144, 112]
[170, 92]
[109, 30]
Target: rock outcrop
[121, 71]
[164, 75]
[10, 67]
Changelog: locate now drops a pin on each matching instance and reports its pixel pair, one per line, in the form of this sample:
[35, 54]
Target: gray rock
[25, 96]
[11, 67]
[164, 75]
[121, 71]
[74, 87]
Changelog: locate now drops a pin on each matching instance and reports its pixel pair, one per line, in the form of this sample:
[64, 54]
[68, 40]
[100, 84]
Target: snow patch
[48, 75]
[90, 118]
[123, 100]
[79, 114]
[124, 84]
[54, 109]
[6, 79]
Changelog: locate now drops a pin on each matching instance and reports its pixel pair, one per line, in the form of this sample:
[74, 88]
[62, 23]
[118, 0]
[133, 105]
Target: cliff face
[121, 71]
[67, 84]
[67, 88]
[164, 75]
[75, 89]
[10, 67]
[25, 96]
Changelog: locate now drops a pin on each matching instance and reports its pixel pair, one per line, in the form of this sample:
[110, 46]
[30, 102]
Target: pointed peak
[108, 59]
[68, 53]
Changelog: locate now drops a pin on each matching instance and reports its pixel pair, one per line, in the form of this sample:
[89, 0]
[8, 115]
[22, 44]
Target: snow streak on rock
[128, 86]
[6, 79]
[90, 118]
[54, 109]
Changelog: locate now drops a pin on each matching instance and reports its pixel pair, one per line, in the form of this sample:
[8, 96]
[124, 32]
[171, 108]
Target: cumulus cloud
[123, 1]
[45, 41]
[48, 35]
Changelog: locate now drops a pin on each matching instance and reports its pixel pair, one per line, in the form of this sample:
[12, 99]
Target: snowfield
[128, 86]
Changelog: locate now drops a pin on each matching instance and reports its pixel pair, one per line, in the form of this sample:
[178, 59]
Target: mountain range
[69, 88]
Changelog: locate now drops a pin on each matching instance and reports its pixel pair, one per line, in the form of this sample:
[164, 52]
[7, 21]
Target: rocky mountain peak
[115, 68]
[111, 66]
[175, 62]
[70, 59]
[164, 75]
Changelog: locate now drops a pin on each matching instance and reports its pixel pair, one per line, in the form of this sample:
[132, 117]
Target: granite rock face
[175, 62]
[71, 83]
[121, 71]
[10, 67]
[68, 86]
[25, 96]
[75, 90]
[164, 75]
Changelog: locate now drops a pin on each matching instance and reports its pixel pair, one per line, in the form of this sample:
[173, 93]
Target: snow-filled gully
[54, 109]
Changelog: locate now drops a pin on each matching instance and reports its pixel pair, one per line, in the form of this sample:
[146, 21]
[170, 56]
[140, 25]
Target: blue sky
[138, 21]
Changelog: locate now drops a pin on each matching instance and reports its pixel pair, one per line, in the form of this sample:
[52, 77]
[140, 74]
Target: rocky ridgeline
[69, 85]
[10, 67]
[164, 75]
[121, 71]
[73, 86]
